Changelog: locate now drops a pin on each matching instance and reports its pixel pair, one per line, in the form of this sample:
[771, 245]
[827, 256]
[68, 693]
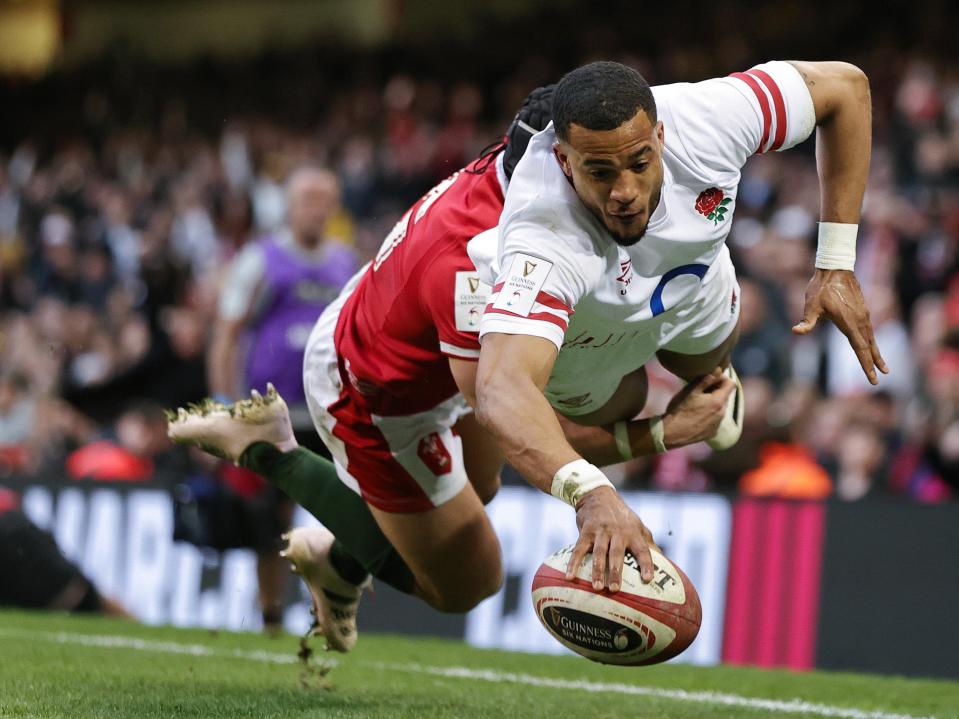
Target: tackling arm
[693, 415]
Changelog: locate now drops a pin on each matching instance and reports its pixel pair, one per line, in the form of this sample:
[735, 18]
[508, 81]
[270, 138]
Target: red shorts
[399, 464]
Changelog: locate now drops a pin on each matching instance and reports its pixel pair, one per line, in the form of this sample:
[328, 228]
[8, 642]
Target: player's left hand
[836, 295]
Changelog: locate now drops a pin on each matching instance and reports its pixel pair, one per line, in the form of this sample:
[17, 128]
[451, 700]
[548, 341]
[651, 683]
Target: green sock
[311, 481]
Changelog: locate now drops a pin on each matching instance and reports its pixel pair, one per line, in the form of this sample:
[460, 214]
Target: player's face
[313, 197]
[618, 174]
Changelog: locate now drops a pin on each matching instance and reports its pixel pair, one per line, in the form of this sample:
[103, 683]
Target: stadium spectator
[270, 299]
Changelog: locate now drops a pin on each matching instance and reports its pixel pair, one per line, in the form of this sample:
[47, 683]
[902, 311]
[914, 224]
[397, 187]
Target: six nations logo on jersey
[470, 296]
[526, 277]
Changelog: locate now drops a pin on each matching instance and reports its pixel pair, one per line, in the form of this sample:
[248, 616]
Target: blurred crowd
[124, 200]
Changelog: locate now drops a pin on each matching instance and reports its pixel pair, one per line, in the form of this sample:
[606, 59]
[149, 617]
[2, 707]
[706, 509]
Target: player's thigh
[692, 366]
[482, 457]
[626, 402]
[451, 549]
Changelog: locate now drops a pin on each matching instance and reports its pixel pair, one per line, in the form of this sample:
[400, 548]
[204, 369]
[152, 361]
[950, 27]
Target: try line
[793, 706]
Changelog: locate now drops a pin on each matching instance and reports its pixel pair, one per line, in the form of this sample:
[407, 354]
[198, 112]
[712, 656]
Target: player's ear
[562, 158]
[660, 132]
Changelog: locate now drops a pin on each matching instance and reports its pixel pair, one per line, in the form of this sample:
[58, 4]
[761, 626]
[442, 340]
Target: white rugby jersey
[557, 273]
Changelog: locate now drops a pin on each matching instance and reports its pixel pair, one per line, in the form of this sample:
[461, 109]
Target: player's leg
[691, 367]
[272, 570]
[412, 472]
[626, 402]
[451, 549]
[424, 530]
[482, 456]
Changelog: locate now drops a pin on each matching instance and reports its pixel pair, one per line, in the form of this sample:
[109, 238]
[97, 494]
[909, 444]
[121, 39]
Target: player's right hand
[695, 413]
[607, 528]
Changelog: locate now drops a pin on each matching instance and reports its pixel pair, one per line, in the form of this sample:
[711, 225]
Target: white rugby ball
[640, 624]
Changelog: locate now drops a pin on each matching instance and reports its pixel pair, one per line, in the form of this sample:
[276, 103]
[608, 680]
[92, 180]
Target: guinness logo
[528, 268]
[595, 633]
[474, 283]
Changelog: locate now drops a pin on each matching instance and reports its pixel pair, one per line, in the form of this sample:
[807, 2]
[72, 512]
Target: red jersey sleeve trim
[778, 103]
[548, 300]
[763, 106]
[541, 316]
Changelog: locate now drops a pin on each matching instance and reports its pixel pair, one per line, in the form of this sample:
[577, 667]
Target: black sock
[346, 565]
[311, 481]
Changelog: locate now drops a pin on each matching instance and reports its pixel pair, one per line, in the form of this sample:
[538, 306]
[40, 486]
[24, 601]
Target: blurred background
[144, 144]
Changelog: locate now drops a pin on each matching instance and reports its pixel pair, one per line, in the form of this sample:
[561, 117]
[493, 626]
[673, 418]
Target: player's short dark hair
[600, 96]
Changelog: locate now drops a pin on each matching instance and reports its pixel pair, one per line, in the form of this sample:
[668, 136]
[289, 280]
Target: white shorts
[399, 464]
[695, 327]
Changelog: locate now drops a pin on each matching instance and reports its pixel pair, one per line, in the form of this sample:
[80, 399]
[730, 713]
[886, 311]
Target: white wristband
[621, 432]
[836, 248]
[572, 481]
[657, 434]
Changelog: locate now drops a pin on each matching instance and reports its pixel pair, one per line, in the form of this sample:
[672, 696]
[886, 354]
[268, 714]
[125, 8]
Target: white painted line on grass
[794, 706]
[118, 642]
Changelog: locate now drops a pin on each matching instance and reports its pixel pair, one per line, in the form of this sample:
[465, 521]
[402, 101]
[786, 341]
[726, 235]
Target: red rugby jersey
[421, 300]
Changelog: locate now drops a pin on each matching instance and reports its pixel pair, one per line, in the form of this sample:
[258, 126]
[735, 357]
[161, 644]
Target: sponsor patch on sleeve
[469, 299]
[526, 277]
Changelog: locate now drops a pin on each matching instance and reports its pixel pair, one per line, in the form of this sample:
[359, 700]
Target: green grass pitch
[53, 665]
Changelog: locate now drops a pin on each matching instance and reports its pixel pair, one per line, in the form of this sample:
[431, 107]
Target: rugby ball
[640, 624]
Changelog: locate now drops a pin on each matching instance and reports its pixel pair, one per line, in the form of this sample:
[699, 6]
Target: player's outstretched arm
[842, 103]
[511, 375]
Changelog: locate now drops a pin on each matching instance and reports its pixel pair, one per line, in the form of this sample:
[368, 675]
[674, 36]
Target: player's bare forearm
[843, 106]
[510, 376]
[598, 444]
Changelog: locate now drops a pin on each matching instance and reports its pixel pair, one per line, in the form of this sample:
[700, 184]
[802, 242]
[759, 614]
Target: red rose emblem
[712, 204]
[708, 200]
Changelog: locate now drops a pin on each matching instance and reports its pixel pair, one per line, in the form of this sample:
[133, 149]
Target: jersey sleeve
[541, 278]
[724, 121]
[454, 296]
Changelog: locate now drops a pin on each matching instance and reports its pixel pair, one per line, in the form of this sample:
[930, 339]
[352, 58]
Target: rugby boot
[731, 426]
[335, 600]
[225, 430]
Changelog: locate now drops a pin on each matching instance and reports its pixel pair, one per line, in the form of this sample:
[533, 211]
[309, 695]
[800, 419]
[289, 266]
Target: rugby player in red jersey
[389, 374]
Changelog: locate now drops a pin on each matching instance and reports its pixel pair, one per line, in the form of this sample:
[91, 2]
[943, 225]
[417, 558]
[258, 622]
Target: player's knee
[468, 599]
[465, 594]
[488, 488]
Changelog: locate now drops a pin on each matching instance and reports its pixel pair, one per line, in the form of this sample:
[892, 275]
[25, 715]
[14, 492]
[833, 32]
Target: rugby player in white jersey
[610, 251]
[389, 373]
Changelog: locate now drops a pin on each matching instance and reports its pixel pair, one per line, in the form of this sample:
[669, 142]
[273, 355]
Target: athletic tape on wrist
[836, 248]
[572, 481]
[621, 432]
[658, 434]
